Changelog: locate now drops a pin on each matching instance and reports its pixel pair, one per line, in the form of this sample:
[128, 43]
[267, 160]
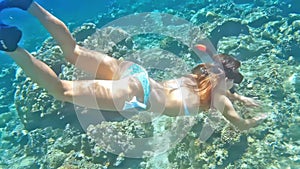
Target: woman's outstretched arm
[246, 100]
[224, 105]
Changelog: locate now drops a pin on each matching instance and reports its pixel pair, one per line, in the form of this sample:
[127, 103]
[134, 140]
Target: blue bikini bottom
[141, 74]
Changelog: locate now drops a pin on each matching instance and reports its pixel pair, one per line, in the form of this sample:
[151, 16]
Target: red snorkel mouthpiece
[204, 48]
[201, 47]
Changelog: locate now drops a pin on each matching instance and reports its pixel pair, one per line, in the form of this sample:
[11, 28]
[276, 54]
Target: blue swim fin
[21, 4]
[9, 37]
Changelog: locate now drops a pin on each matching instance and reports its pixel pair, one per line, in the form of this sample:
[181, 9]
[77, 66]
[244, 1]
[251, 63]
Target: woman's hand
[253, 122]
[246, 100]
[259, 119]
[249, 101]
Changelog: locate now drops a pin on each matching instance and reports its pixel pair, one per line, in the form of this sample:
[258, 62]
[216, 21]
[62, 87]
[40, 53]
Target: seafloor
[38, 131]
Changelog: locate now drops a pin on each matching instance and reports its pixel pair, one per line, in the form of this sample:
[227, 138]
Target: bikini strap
[186, 110]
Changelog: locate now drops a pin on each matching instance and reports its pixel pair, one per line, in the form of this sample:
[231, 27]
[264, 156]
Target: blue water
[74, 13]
[269, 46]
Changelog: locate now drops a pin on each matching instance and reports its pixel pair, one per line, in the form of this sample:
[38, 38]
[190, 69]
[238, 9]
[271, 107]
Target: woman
[122, 85]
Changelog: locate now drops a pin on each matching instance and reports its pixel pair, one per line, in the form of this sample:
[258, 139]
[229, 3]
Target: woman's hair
[230, 66]
[204, 82]
[207, 76]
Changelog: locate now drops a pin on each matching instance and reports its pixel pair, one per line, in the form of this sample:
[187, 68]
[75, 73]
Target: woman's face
[229, 83]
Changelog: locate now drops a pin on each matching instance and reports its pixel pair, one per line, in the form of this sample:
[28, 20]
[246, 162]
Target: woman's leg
[39, 72]
[97, 94]
[99, 64]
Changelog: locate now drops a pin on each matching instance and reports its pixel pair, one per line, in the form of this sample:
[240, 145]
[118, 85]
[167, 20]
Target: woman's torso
[179, 97]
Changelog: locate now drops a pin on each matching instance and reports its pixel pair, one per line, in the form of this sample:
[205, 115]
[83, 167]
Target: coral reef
[41, 132]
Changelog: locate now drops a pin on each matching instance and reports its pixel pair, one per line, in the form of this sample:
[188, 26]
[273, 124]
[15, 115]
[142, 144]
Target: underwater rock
[202, 16]
[293, 132]
[7, 73]
[68, 167]
[242, 1]
[232, 27]
[244, 46]
[296, 25]
[81, 33]
[26, 162]
[118, 137]
[292, 49]
[257, 19]
[293, 17]
[4, 118]
[284, 36]
[56, 158]
[107, 40]
[294, 80]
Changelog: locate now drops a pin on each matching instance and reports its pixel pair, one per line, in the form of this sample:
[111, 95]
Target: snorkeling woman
[123, 85]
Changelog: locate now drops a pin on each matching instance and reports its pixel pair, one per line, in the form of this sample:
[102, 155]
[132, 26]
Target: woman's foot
[21, 4]
[9, 37]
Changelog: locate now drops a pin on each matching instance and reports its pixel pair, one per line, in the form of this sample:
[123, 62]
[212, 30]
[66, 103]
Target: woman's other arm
[224, 105]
